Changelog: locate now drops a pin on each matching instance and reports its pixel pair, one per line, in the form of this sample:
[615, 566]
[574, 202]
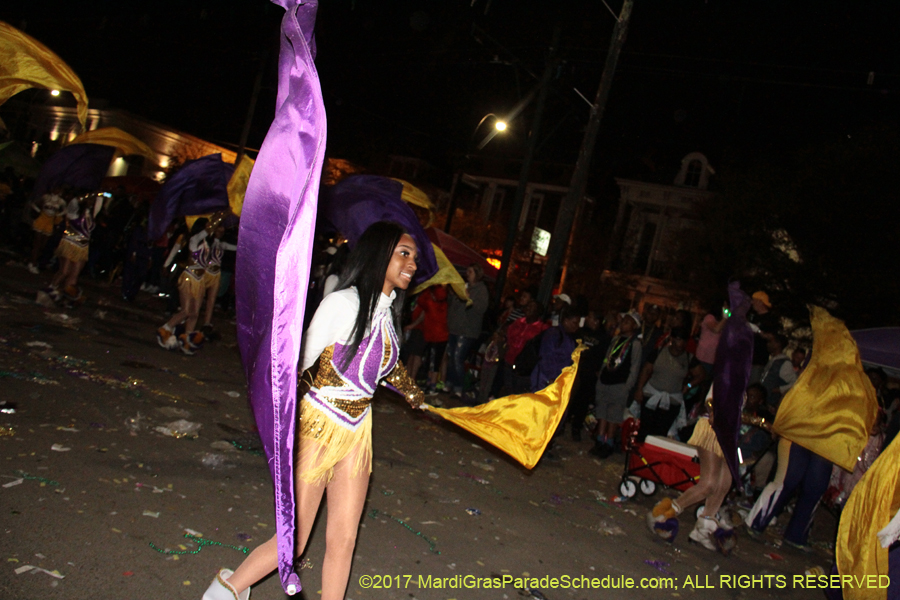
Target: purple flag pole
[273, 257]
[732, 374]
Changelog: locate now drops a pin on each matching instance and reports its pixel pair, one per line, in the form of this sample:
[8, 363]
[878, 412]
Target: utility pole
[579, 178]
[512, 230]
[251, 109]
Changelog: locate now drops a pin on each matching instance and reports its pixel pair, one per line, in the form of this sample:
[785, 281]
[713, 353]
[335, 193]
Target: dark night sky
[732, 79]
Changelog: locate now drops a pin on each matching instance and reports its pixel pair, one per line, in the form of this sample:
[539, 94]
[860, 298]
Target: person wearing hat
[617, 377]
[556, 306]
[764, 324]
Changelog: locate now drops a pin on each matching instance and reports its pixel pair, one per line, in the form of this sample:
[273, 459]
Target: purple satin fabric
[732, 374]
[199, 187]
[358, 201]
[80, 165]
[273, 256]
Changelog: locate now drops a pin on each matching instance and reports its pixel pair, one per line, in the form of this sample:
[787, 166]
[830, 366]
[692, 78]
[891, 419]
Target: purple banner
[198, 188]
[732, 374]
[358, 201]
[81, 166]
[273, 258]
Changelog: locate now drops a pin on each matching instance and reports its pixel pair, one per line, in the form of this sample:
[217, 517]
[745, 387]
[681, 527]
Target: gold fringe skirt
[704, 437]
[72, 251]
[211, 280]
[43, 224]
[191, 285]
[323, 444]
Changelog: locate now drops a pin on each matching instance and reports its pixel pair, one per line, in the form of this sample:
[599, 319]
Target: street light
[54, 92]
[500, 125]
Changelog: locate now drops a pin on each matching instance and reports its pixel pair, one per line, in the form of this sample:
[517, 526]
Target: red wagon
[656, 461]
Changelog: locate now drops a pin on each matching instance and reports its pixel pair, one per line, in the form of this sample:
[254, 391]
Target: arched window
[693, 173]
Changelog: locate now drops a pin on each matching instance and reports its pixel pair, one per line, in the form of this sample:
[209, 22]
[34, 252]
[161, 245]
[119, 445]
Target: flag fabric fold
[82, 166]
[521, 424]
[273, 260]
[122, 141]
[357, 201]
[832, 407]
[731, 376]
[446, 275]
[874, 501]
[237, 185]
[198, 188]
[27, 63]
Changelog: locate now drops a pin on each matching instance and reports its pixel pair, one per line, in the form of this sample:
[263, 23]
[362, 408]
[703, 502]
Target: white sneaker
[220, 589]
[703, 532]
[33, 269]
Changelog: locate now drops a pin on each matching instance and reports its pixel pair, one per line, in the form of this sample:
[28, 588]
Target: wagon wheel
[648, 487]
[627, 488]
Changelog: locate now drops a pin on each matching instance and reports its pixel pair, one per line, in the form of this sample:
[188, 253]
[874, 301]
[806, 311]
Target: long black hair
[365, 269]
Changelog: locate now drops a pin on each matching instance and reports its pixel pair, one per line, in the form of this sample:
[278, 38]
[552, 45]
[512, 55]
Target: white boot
[703, 532]
[220, 589]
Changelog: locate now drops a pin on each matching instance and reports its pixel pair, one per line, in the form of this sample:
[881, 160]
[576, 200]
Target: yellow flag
[832, 407]
[522, 424]
[413, 195]
[122, 141]
[237, 185]
[874, 501]
[26, 63]
[446, 274]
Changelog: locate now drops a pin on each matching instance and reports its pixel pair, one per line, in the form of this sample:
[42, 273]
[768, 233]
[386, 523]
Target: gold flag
[413, 195]
[832, 407]
[446, 274]
[26, 63]
[874, 501]
[237, 185]
[522, 424]
[122, 141]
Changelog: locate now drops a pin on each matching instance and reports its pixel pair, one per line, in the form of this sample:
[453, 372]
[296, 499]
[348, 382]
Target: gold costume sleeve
[832, 407]
[401, 380]
[522, 424]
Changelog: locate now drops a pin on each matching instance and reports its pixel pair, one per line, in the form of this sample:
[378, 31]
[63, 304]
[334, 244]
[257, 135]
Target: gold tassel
[324, 443]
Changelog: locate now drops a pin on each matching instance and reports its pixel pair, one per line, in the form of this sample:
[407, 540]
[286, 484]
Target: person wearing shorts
[617, 377]
[50, 214]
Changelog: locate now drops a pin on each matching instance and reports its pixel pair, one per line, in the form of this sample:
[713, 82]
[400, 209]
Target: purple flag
[274, 250]
[358, 201]
[80, 165]
[732, 374]
[199, 187]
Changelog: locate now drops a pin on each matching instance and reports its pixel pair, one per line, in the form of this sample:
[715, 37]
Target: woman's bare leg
[193, 311]
[264, 559]
[211, 293]
[709, 477]
[74, 271]
[721, 485]
[346, 499]
[61, 272]
[182, 313]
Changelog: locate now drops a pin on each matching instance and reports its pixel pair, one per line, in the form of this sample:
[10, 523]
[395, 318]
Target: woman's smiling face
[402, 267]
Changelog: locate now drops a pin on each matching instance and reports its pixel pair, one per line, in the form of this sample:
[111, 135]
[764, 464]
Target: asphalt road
[93, 498]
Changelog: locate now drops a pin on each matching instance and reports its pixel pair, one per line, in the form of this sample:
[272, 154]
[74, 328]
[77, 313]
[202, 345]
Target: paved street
[99, 501]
